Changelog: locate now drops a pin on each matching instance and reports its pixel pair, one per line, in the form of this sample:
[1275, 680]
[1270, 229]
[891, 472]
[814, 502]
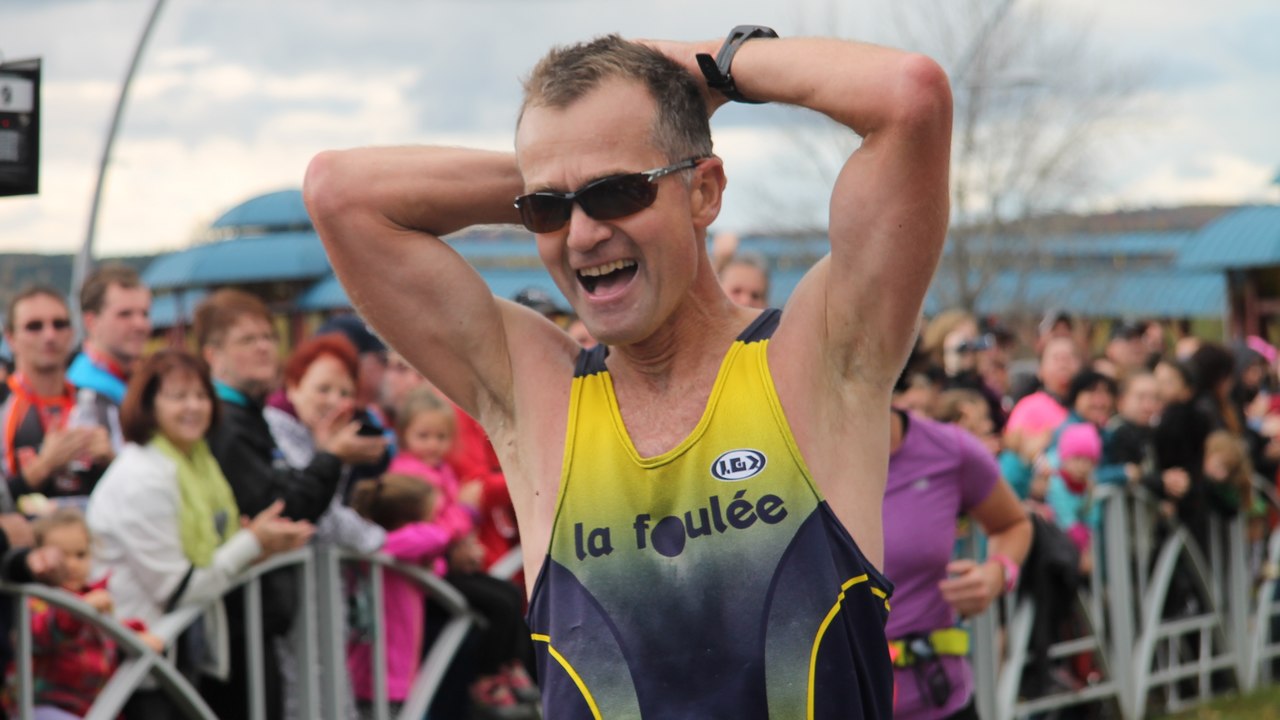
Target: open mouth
[602, 279]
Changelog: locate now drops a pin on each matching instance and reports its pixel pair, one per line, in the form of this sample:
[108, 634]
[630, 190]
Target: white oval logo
[738, 465]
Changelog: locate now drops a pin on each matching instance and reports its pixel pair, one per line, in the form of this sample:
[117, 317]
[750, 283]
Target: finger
[272, 511]
[959, 567]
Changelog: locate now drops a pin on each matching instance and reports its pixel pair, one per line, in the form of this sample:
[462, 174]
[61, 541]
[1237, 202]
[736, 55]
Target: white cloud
[1213, 178]
[233, 99]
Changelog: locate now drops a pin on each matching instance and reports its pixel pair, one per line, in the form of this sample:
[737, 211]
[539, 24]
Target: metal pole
[80, 268]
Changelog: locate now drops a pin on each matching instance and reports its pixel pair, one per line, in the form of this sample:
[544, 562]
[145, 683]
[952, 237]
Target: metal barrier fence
[1151, 638]
[321, 614]
[1227, 637]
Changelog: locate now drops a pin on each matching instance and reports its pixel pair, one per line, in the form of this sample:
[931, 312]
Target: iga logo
[738, 465]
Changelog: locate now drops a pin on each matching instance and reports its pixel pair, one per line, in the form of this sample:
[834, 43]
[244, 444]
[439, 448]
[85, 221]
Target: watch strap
[717, 71]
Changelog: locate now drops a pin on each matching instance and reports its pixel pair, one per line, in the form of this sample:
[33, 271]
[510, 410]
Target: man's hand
[685, 53]
[60, 447]
[100, 445]
[971, 587]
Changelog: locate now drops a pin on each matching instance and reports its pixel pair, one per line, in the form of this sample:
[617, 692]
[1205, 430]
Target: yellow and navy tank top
[711, 581]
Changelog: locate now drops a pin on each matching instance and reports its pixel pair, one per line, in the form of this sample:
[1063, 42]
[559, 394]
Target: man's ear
[707, 192]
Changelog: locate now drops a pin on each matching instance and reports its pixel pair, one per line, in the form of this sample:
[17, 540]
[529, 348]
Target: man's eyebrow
[594, 178]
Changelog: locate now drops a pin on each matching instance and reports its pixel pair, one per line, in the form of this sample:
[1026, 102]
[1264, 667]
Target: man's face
[248, 357]
[745, 284]
[123, 325]
[1127, 353]
[41, 335]
[624, 277]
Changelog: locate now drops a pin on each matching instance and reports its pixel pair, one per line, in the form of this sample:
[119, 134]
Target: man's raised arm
[381, 213]
[889, 207]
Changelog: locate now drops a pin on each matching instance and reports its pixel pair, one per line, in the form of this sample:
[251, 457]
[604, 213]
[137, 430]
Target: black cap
[356, 331]
[1127, 330]
[540, 300]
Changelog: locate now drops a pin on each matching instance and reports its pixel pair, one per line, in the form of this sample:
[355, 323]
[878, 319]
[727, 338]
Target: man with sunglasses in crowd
[699, 496]
[43, 451]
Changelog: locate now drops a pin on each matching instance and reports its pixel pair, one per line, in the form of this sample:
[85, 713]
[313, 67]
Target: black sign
[20, 127]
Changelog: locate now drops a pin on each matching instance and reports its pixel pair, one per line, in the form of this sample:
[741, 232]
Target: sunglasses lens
[544, 213]
[618, 197]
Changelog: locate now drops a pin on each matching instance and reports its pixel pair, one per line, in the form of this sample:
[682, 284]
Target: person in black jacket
[237, 337]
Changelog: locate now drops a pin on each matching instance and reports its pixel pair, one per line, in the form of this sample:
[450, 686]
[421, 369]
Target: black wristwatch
[717, 71]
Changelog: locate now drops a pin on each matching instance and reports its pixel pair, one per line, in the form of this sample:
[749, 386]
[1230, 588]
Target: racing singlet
[711, 581]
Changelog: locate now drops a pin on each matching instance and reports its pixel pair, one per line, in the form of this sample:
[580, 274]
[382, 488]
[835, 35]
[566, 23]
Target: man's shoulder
[239, 425]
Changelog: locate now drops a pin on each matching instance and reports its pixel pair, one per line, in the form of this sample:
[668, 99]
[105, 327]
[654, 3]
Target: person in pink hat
[1065, 489]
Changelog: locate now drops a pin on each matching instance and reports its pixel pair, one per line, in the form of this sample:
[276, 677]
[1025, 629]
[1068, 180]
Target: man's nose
[585, 232]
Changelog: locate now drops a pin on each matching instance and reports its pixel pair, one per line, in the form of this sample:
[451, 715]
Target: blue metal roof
[1158, 293]
[503, 282]
[1112, 244]
[277, 209]
[169, 308]
[1244, 238]
[258, 258]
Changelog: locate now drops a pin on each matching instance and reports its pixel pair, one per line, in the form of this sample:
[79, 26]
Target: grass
[1261, 705]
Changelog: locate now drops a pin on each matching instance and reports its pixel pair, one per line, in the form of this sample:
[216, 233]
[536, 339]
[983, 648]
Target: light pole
[80, 268]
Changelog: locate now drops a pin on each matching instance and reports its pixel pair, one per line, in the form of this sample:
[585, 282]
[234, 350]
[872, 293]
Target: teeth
[607, 268]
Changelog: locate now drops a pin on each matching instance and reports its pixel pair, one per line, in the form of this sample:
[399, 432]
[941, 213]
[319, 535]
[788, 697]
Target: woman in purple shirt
[937, 473]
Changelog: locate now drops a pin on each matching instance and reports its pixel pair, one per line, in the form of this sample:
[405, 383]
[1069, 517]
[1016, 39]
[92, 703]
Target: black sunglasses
[608, 198]
[35, 326]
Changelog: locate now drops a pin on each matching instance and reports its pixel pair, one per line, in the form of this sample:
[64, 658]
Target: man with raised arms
[699, 496]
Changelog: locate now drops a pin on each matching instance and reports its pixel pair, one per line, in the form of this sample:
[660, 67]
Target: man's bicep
[887, 226]
[381, 213]
[427, 302]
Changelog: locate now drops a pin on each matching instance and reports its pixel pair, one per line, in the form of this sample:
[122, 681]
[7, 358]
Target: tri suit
[711, 581]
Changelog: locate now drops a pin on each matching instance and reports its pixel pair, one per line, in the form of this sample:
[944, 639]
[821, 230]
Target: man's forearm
[860, 85]
[437, 190]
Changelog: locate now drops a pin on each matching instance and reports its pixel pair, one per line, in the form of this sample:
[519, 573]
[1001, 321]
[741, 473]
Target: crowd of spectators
[1188, 422]
[155, 478]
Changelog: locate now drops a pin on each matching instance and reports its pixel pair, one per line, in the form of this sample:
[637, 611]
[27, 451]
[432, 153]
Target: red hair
[332, 345]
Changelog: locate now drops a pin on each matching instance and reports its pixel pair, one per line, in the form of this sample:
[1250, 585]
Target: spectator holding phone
[319, 378]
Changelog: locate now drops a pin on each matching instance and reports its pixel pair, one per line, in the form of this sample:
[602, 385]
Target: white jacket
[133, 515]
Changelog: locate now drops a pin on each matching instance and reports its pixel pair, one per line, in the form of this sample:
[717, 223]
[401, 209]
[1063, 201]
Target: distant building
[1217, 265]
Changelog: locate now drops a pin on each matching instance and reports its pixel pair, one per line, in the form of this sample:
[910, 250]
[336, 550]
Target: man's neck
[114, 363]
[683, 345]
[44, 382]
[252, 393]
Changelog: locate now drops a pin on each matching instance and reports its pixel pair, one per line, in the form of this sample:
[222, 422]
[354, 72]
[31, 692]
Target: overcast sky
[234, 97]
